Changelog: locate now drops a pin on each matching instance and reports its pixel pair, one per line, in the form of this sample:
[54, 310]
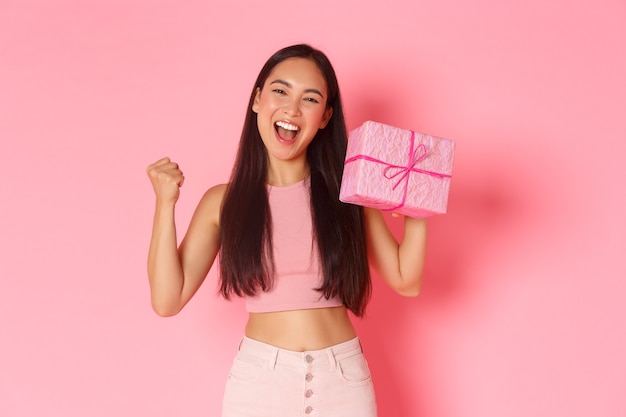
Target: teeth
[287, 126]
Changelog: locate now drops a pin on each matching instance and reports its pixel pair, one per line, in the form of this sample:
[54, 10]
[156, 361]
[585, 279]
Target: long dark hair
[246, 258]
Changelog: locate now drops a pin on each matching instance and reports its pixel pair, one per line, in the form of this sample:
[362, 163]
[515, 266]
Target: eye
[278, 91]
[311, 100]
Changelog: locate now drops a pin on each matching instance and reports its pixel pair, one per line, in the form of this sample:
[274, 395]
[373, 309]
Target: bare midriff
[301, 330]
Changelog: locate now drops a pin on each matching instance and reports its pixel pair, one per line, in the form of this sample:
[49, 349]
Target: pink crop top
[295, 256]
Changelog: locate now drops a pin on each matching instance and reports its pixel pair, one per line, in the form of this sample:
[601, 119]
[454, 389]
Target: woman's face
[290, 108]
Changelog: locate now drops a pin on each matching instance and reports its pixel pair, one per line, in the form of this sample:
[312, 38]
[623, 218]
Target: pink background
[521, 312]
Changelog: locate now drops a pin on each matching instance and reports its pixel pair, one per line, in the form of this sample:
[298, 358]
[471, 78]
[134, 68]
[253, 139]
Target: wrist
[165, 205]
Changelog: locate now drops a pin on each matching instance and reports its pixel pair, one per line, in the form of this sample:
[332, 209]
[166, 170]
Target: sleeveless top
[296, 259]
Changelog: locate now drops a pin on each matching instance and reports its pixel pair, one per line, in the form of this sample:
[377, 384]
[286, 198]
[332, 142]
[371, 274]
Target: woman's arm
[401, 265]
[175, 274]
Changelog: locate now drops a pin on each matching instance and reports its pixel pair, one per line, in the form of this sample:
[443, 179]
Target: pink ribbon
[403, 171]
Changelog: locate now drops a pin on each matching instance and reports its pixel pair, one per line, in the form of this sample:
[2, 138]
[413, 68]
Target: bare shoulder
[211, 203]
[216, 193]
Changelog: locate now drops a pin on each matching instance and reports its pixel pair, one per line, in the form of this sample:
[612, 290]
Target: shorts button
[308, 410]
[308, 393]
[308, 358]
[308, 377]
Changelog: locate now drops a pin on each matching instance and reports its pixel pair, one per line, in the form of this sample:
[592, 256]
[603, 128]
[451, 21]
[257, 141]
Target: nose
[292, 107]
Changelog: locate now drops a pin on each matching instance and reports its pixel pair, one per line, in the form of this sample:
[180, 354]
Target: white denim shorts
[266, 381]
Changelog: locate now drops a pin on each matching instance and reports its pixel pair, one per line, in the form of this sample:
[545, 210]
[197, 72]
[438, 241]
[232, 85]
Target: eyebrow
[288, 85]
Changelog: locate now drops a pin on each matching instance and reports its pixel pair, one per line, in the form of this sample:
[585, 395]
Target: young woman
[298, 255]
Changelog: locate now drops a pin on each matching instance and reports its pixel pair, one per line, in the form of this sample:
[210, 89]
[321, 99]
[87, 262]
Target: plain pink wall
[521, 312]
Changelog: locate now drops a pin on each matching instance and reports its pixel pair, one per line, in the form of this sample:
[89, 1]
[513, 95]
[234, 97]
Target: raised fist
[166, 180]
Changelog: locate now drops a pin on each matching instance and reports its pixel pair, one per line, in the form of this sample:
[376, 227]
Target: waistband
[272, 355]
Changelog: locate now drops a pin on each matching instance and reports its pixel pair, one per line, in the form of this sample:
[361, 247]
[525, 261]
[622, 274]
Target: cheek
[317, 116]
[268, 106]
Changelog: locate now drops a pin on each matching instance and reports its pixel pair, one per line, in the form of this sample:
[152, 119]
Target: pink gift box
[398, 170]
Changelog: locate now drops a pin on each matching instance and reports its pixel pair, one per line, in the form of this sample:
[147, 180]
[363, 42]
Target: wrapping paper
[398, 170]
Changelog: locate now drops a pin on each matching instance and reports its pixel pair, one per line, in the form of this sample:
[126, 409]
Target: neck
[282, 176]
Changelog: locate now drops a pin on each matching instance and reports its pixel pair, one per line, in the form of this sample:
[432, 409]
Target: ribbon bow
[392, 171]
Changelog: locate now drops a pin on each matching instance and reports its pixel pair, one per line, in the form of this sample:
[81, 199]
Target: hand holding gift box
[397, 170]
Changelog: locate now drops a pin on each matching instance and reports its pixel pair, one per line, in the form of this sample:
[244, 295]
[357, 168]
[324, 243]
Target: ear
[255, 103]
[326, 117]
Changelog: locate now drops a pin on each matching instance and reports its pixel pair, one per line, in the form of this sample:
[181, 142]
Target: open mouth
[286, 131]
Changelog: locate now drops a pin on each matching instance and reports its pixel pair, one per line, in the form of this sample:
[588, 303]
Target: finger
[172, 171]
[162, 161]
[158, 163]
[174, 176]
[164, 171]
[163, 165]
